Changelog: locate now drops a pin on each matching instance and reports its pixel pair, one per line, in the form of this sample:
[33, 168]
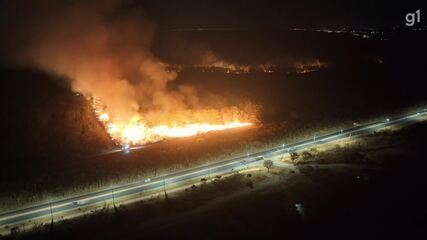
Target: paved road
[120, 192]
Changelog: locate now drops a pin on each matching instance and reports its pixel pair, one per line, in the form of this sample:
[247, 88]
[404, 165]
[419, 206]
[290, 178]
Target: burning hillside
[310, 65]
[211, 62]
[182, 124]
[105, 53]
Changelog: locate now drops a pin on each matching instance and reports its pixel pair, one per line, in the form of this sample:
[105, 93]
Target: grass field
[365, 180]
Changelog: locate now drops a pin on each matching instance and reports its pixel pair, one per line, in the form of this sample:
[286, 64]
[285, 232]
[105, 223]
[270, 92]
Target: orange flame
[138, 132]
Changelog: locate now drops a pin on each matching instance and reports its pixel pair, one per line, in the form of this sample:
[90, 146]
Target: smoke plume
[103, 48]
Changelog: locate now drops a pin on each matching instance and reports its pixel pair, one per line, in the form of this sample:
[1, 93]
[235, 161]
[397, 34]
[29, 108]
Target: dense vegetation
[365, 187]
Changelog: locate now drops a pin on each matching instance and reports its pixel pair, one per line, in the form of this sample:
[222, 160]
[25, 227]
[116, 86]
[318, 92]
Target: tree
[294, 156]
[307, 155]
[268, 164]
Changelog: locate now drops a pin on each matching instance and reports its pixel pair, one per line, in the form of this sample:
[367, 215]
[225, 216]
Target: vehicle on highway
[93, 198]
[77, 203]
[126, 148]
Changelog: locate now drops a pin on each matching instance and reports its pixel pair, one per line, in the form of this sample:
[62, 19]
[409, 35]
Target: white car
[147, 180]
[77, 203]
[260, 157]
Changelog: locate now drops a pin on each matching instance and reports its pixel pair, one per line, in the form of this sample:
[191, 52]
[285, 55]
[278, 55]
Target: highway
[168, 181]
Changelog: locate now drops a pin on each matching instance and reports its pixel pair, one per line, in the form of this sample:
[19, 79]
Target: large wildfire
[137, 131]
[104, 51]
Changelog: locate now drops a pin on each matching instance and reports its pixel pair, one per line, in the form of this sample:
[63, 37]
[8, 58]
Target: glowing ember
[104, 117]
[138, 132]
[193, 129]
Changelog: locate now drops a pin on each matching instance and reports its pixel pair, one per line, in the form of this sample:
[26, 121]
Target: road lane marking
[195, 173]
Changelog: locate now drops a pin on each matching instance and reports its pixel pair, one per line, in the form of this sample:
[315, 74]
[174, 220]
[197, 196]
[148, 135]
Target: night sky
[250, 14]
[277, 14]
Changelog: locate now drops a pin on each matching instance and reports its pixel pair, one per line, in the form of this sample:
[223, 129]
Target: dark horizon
[280, 14]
